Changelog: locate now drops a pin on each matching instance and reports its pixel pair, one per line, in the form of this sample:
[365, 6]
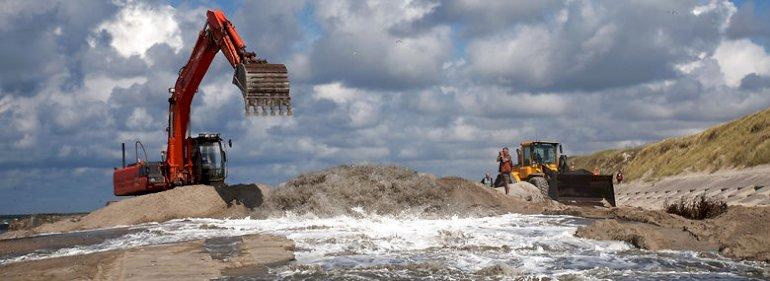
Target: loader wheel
[541, 183]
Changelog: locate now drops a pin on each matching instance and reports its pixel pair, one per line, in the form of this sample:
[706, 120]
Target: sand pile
[180, 202]
[388, 190]
[525, 191]
[335, 191]
[740, 233]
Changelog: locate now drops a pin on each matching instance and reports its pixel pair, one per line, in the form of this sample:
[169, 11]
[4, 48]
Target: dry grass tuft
[698, 208]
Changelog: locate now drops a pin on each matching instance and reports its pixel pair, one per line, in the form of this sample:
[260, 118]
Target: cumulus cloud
[751, 20]
[360, 49]
[43, 40]
[273, 32]
[592, 45]
[361, 107]
[755, 82]
[738, 58]
[479, 17]
[139, 26]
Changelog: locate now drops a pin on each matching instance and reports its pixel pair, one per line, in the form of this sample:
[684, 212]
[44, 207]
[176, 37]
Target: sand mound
[525, 191]
[340, 190]
[645, 236]
[740, 233]
[387, 190]
[180, 202]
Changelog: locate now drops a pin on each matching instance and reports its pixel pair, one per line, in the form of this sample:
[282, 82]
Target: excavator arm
[265, 87]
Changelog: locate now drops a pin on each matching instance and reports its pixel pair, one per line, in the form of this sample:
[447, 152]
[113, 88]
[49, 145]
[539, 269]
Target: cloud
[139, 26]
[359, 48]
[738, 58]
[42, 40]
[362, 108]
[751, 20]
[274, 31]
[755, 82]
[479, 17]
[594, 45]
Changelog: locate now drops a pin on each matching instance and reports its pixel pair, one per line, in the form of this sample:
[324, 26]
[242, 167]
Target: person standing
[506, 167]
[487, 180]
[619, 176]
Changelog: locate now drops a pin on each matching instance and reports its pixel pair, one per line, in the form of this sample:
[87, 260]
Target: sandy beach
[322, 201]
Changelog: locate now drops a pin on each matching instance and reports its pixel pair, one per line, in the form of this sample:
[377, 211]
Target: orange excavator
[202, 159]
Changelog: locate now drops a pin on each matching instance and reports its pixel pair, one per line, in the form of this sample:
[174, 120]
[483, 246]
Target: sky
[438, 86]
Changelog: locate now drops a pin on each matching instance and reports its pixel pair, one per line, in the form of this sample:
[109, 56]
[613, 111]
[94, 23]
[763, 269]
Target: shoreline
[740, 233]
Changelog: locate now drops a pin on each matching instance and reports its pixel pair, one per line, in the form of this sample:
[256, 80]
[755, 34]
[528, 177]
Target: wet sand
[52, 242]
[741, 233]
[248, 255]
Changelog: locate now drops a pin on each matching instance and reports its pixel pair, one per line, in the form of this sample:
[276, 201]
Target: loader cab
[209, 159]
[532, 153]
[533, 156]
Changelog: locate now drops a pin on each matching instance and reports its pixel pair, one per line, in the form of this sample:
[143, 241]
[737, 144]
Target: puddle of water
[223, 248]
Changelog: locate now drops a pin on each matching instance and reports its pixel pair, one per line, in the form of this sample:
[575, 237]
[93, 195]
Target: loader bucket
[584, 189]
[580, 187]
[265, 88]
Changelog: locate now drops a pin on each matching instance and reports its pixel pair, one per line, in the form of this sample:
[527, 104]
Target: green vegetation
[738, 144]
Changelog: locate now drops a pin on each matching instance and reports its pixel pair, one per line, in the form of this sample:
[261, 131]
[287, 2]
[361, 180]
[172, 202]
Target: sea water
[369, 246]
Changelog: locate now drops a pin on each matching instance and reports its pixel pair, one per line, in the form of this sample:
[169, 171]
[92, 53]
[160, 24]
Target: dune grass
[741, 143]
[698, 208]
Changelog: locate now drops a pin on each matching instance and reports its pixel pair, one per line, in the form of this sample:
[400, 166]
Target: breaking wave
[369, 245]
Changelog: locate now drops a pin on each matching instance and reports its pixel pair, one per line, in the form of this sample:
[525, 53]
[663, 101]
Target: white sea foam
[536, 245]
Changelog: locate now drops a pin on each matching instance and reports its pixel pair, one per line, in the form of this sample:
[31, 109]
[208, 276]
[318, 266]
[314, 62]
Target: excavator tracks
[265, 88]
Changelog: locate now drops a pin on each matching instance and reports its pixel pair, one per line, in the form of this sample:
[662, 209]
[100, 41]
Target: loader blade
[265, 88]
[584, 189]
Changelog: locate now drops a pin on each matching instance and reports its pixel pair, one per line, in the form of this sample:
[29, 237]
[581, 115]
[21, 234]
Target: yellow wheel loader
[544, 165]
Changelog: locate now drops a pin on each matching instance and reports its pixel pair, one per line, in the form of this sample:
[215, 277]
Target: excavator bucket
[265, 88]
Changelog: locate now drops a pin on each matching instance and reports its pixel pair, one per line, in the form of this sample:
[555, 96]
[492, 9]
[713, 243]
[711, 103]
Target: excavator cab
[265, 87]
[209, 159]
